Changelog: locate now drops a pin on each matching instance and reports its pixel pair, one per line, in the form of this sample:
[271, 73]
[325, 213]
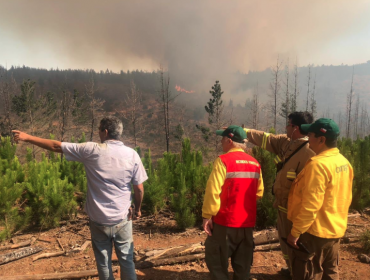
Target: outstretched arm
[51, 145]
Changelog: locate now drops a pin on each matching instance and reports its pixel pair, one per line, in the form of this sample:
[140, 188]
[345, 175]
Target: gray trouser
[227, 242]
[102, 237]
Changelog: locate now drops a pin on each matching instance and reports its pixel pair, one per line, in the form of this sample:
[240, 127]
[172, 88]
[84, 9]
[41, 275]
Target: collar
[111, 141]
[305, 138]
[328, 153]
[235, 150]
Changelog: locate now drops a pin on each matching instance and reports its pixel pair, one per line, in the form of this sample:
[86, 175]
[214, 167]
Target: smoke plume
[198, 41]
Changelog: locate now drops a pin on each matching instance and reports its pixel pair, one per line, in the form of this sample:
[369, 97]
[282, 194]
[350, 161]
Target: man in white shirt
[111, 168]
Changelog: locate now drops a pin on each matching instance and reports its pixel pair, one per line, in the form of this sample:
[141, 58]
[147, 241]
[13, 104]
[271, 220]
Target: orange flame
[180, 89]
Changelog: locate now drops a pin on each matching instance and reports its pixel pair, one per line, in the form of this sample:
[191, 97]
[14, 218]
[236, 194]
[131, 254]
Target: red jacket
[238, 197]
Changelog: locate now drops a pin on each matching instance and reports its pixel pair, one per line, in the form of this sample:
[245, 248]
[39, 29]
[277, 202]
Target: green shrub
[49, 197]
[183, 203]
[155, 192]
[266, 213]
[180, 180]
[12, 216]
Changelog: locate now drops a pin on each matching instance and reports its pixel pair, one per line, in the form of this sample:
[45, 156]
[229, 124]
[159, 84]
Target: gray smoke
[199, 41]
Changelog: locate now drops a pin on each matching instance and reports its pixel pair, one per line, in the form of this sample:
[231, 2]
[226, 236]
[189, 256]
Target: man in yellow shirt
[229, 207]
[318, 205]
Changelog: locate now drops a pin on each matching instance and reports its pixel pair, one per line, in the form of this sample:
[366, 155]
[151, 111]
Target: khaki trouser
[284, 228]
[321, 263]
[227, 242]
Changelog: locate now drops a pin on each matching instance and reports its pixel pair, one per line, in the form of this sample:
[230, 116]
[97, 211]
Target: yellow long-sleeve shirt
[321, 195]
[212, 202]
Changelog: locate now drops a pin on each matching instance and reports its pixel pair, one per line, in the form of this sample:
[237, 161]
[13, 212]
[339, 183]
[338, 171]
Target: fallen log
[19, 245]
[267, 247]
[270, 236]
[173, 252]
[12, 256]
[56, 276]
[48, 255]
[168, 261]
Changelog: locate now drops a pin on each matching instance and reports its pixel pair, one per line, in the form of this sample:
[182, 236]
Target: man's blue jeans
[120, 234]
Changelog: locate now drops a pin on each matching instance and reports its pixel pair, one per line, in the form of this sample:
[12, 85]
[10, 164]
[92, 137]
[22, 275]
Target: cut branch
[19, 245]
[48, 255]
[9, 257]
[176, 252]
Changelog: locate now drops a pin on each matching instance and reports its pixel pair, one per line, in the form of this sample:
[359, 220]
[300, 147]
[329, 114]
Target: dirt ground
[160, 232]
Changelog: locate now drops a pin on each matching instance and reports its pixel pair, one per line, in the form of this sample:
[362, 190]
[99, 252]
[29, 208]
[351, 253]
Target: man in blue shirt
[111, 168]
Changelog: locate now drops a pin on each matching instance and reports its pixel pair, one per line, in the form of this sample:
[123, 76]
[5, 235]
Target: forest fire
[180, 89]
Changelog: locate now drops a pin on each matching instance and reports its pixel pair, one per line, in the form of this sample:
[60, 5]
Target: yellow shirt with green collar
[320, 196]
[212, 202]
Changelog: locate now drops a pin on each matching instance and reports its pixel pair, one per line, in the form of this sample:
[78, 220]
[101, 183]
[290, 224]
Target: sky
[197, 41]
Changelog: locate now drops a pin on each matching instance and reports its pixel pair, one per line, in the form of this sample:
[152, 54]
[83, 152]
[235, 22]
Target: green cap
[234, 132]
[322, 127]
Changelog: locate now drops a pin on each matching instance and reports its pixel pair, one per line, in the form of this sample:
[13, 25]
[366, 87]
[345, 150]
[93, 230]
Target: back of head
[113, 125]
[299, 118]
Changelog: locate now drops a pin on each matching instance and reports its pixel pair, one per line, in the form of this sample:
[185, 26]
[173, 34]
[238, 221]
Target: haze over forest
[197, 42]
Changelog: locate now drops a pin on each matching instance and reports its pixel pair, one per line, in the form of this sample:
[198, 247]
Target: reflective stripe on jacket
[321, 195]
[283, 147]
[212, 201]
[238, 196]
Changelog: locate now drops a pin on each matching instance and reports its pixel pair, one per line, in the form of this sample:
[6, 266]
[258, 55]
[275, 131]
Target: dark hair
[330, 143]
[298, 118]
[113, 125]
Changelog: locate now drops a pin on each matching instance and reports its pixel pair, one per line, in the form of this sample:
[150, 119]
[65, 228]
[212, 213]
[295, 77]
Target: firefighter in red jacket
[229, 207]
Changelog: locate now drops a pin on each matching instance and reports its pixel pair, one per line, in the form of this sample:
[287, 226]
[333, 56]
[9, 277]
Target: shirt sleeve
[260, 187]
[313, 193]
[77, 151]
[267, 141]
[212, 202]
[139, 175]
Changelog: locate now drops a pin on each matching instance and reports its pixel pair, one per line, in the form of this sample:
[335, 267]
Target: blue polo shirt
[111, 168]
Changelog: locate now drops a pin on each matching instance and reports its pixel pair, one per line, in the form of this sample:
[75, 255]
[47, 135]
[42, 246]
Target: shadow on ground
[160, 274]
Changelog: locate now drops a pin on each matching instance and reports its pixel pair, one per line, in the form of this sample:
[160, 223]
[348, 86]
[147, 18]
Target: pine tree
[214, 108]
[11, 189]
